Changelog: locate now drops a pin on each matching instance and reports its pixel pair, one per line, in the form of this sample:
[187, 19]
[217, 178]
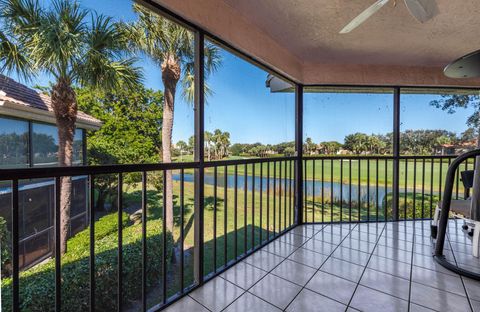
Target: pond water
[340, 190]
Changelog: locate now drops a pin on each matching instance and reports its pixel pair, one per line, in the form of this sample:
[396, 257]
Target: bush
[37, 285]
[5, 252]
[414, 211]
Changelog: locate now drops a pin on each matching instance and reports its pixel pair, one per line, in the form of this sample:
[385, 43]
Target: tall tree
[237, 149]
[357, 142]
[130, 133]
[182, 147]
[208, 138]
[191, 144]
[171, 47]
[131, 123]
[220, 141]
[225, 143]
[468, 135]
[423, 141]
[331, 147]
[441, 141]
[74, 46]
[289, 151]
[451, 103]
[309, 146]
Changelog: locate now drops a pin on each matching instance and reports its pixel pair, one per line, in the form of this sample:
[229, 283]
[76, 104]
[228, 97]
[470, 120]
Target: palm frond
[21, 15]
[131, 35]
[59, 38]
[158, 37]
[188, 88]
[12, 59]
[105, 36]
[213, 58]
[105, 63]
[17, 18]
[101, 72]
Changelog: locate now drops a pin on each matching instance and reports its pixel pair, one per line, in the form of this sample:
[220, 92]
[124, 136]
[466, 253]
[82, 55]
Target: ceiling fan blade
[362, 17]
[422, 10]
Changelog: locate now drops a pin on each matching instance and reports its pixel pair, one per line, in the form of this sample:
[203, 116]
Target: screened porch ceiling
[301, 39]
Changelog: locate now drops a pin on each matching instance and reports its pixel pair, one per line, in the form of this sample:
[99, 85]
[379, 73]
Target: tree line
[414, 142]
[218, 146]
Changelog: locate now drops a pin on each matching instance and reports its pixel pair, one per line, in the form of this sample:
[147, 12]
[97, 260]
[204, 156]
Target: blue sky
[243, 106]
[330, 117]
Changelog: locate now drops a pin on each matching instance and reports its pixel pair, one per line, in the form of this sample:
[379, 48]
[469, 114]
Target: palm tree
[208, 138]
[171, 47]
[441, 141]
[218, 143]
[75, 47]
[309, 146]
[225, 143]
[182, 147]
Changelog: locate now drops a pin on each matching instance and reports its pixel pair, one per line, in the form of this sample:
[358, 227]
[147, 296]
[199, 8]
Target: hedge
[5, 246]
[37, 285]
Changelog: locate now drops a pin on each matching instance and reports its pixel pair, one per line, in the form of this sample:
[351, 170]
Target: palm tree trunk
[170, 76]
[100, 204]
[65, 108]
[208, 151]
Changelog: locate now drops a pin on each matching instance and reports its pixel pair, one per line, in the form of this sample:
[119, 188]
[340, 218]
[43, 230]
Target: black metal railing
[361, 188]
[36, 216]
[255, 201]
[247, 203]
[99, 261]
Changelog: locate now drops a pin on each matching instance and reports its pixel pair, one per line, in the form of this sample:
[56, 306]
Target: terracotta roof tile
[21, 94]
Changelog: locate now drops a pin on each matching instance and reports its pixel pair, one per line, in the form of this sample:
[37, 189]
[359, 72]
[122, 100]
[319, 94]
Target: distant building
[465, 147]
[29, 138]
[455, 149]
[343, 152]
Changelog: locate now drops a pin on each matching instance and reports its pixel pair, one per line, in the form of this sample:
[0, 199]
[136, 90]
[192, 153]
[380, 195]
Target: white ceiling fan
[422, 10]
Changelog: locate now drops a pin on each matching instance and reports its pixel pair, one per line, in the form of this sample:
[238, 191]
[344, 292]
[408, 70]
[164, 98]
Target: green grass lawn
[251, 231]
[417, 174]
[243, 213]
[412, 174]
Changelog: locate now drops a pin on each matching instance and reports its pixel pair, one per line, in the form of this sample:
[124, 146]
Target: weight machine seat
[459, 207]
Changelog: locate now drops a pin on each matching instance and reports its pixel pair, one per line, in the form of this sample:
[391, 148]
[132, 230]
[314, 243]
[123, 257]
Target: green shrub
[414, 209]
[37, 285]
[5, 251]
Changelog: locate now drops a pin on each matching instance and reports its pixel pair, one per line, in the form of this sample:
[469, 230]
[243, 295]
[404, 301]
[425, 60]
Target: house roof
[301, 39]
[18, 100]
[468, 144]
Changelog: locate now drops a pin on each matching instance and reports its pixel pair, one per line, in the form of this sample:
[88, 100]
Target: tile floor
[345, 267]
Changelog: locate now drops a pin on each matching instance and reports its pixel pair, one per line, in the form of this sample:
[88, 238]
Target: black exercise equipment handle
[444, 214]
